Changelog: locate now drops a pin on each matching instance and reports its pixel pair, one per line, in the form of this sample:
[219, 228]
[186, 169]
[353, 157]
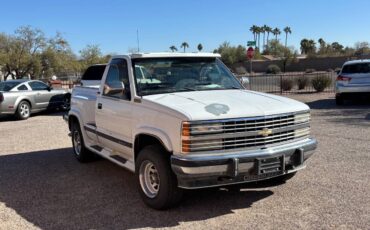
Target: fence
[287, 83]
[64, 83]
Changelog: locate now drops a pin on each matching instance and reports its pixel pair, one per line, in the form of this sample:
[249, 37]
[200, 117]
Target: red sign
[250, 52]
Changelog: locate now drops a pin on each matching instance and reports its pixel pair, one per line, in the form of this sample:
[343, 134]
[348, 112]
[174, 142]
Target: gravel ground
[42, 186]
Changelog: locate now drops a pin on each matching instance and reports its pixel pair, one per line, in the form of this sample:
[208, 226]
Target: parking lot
[43, 186]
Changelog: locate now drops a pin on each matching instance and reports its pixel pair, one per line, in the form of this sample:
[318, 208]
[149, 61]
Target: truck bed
[84, 99]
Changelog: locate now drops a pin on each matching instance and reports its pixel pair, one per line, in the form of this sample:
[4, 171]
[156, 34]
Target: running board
[118, 158]
[97, 148]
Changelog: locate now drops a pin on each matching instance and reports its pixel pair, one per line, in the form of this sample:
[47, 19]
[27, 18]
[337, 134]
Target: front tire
[156, 181]
[79, 149]
[23, 111]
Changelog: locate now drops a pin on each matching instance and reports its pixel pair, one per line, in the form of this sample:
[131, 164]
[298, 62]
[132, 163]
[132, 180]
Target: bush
[286, 84]
[273, 69]
[320, 82]
[310, 70]
[302, 82]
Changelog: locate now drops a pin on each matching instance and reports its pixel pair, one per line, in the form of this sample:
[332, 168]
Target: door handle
[100, 105]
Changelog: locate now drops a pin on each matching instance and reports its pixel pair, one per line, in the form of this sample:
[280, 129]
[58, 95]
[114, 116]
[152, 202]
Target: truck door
[113, 110]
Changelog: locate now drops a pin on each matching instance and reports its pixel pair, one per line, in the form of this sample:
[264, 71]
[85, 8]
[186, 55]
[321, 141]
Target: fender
[155, 132]
[27, 98]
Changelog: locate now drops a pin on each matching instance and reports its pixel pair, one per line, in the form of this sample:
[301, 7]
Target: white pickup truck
[187, 124]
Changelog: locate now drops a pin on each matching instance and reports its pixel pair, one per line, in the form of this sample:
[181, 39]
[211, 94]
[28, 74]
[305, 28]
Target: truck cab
[184, 121]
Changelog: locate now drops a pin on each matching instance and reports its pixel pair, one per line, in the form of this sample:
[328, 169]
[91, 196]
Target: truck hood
[223, 104]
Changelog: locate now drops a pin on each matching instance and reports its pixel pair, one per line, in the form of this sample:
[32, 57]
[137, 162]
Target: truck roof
[169, 55]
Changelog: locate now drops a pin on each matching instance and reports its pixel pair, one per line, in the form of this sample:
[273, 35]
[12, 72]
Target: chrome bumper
[199, 171]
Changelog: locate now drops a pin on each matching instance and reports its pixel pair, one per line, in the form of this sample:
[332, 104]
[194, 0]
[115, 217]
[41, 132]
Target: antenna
[137, 37]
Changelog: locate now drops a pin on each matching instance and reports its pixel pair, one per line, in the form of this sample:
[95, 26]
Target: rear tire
[23, 110]
[156, 181]
[79, 149]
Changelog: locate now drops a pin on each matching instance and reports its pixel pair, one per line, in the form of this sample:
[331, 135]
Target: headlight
[197, 129]
[301, 132]
[302, 118]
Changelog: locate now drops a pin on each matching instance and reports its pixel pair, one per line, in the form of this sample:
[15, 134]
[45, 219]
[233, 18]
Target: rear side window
[22, 88]
[94, 73]
[356, 68]
[36, 85]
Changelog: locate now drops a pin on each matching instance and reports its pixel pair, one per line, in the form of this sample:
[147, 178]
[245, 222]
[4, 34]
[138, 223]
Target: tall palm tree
[264, 30]
[287, 31]
[254, 30]
[259, 31]
[200, 47]
[173, 48]
[184, 45]
[276, 32]
[268, 30]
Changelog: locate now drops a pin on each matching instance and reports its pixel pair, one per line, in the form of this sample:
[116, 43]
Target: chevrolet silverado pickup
[190, 125]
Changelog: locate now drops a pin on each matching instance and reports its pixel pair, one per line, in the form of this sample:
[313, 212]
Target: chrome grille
[245, 133]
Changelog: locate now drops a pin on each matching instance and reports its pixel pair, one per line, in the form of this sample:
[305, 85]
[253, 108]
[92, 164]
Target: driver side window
[117, 83]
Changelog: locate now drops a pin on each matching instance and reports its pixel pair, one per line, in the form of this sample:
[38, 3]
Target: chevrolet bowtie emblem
[265, 132]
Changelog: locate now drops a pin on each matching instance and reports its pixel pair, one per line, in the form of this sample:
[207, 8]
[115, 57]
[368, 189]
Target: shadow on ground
[52, 190]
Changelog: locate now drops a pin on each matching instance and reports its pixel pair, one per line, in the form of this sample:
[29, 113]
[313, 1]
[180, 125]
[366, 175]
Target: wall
[319, 64]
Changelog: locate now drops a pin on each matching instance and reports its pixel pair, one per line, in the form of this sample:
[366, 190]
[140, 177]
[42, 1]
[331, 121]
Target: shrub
[320, 82]
[302, 82]
[310, 70]
[273, 69]
[286, 84]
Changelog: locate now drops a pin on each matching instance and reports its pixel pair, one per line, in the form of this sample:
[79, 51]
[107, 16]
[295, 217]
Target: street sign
[250, 52]
[251, 43]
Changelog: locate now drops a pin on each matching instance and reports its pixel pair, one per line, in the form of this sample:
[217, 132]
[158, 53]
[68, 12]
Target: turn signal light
[343, 78]
[185, 129]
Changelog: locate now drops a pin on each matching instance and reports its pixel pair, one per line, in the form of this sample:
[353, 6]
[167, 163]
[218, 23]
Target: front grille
[244, 133]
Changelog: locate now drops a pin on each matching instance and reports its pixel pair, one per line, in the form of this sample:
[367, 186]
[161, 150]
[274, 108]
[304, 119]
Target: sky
[113, 24]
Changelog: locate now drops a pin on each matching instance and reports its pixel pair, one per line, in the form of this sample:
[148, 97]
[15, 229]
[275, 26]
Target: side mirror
[117, 89]
[244, 81]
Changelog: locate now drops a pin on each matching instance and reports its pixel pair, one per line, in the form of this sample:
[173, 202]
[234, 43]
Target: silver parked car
[23, 97]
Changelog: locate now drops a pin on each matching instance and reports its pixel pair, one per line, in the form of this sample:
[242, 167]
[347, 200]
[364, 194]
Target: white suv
[353, 80]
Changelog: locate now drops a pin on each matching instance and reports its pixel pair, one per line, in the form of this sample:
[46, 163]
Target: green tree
[264, 29]
[284, 54]
[308, 46]
[184, 45]
[173, 48]
[20, 52]
[255, 30]
[200, 47]
[231, 54]
[90, 55]
[268, 31]
[287, 30]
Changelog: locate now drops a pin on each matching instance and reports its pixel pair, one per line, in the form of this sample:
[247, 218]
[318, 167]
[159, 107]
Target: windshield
[7, 86]
[168, 75]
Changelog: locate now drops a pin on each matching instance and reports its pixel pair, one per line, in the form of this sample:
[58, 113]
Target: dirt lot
[43, 186]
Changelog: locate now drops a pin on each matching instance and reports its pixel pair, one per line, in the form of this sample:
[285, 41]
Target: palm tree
[264, 30]
[259, 31]
[173, 48]
[276, 32]
[184, 45]
[200, 47]
[287, 31]
[254, 30]
[268, 30]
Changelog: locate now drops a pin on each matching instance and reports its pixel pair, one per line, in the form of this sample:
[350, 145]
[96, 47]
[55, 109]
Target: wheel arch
[145, 139]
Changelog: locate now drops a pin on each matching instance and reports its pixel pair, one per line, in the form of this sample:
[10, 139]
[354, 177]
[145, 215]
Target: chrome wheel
[77, 142]
[24, 110]
[149, 179]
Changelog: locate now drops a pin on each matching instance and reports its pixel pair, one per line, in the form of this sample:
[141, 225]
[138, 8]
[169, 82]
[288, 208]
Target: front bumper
[208, 171]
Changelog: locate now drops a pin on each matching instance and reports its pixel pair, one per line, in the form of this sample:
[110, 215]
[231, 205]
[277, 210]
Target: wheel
[339, 100]
[23, 110]
[80, 151]
[66, 103]
[157, 183]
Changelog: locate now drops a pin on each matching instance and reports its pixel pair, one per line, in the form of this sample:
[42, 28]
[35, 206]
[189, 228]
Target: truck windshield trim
[181, 74]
